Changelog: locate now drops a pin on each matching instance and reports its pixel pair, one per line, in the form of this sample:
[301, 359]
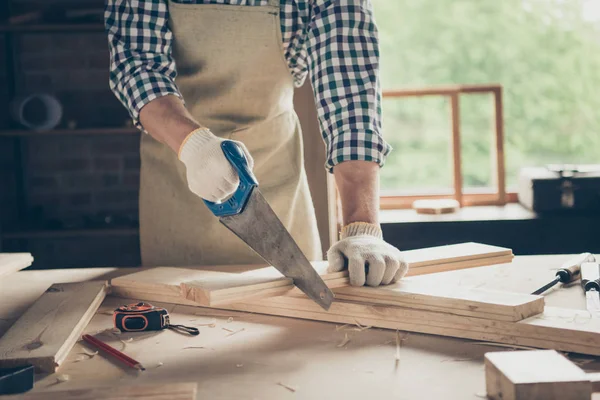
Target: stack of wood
[410, 305]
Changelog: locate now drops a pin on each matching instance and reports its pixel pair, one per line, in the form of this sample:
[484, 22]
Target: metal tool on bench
[570, 271]
[247, 214]
[590, 282]
[140, 317]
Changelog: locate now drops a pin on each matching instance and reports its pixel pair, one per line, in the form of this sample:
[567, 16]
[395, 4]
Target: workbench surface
[304, 355]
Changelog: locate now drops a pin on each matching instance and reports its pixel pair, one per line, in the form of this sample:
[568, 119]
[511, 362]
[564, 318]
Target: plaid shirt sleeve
[140, 42]
[343, 48]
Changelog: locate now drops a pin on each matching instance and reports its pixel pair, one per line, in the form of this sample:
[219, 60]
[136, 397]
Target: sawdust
[345, 341]
[288, 387]
[159, 364]
[230, 319]
[239, 365]
[62, 378]
[339, 328]
[80, 358]
[108, 312]
[195, 347]
[362, 328]
[211, 324]
[233, 333]
[90, 354]
[227, 329]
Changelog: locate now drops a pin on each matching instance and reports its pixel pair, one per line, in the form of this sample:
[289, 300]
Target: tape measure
[140, 317]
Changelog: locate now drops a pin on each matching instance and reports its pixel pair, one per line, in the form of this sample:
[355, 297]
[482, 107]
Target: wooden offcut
[146, 391]
[13, 262]
[46, 332]
[534, 375]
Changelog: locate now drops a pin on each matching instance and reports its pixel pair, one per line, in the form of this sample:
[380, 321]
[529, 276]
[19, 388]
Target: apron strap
[274, 3]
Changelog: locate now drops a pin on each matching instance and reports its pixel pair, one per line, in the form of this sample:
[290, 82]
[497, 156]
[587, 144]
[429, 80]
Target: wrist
[361, 228]
[197, 138]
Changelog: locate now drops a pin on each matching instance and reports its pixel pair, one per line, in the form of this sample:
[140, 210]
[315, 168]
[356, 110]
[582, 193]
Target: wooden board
[46, 332]
[449, 299]
[13, 262]
[557, 328]
[534, 375]
[210, 287]
[147, 391]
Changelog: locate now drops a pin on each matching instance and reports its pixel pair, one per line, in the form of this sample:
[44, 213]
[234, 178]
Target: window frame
[474, 197]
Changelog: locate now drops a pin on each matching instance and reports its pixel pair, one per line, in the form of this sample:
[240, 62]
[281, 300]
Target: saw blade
[258, 226]
[592, 299]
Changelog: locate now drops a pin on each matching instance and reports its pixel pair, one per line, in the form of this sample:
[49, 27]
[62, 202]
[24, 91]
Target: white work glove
[369, 258]
[209, 174]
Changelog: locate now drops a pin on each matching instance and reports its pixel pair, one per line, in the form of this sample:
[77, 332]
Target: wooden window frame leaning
[453, 92]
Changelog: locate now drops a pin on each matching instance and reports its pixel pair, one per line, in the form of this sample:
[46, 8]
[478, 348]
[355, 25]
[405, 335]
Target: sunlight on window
[546, 54]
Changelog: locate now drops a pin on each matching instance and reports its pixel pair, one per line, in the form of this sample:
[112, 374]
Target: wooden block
[47, 331]
[449, 299]
[534, 375]
[435, 206]
[13, 262]
[147, 391]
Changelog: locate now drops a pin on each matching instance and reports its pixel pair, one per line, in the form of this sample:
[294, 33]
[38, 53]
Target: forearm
[358, 187]
[168, 121]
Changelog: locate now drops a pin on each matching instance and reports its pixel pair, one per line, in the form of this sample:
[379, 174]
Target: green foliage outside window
[546, 54]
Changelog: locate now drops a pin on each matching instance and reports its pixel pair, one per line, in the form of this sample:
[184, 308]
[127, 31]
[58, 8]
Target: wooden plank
[534, 375]
[149, 391]
[457, 265]
[452, 253]
[13, 262]
[557, 328]
[47, 331]
[451, 299]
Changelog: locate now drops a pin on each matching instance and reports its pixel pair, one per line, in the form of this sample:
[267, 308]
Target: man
[237, 62]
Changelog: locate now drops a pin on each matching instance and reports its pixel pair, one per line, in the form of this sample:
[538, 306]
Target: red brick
[107, 164]
[131, 180]
[43, 182]
[110, 180]
[80, 199]
[132, 163]
[116, 197]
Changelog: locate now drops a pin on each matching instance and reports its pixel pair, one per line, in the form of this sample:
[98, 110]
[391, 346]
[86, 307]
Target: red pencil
[114, 352]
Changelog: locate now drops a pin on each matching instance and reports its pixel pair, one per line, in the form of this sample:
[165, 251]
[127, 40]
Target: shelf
[66, 233]
[78, 132]
[40, 28]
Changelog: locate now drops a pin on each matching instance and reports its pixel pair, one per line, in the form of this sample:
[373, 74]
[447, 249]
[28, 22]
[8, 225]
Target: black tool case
[560, 188]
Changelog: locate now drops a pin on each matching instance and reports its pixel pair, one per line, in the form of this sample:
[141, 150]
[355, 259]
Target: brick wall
[71, 181]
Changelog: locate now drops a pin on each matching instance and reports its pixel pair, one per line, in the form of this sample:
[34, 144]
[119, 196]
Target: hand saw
[590, 281]
[247, 214]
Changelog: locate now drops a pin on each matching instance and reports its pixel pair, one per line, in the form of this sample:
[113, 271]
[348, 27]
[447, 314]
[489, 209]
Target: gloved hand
[370, 259]
[209, 174]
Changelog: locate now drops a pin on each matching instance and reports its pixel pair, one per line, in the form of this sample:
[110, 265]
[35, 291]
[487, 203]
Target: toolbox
[560, 188]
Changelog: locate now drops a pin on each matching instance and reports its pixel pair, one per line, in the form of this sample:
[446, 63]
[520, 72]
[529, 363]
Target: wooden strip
[557, 328]
[149, 391]
[13, 262]
[452, 253]
[47, 331]
[455, 266]
[455, 300]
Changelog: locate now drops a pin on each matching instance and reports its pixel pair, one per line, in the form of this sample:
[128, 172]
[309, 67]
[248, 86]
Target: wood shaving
[345, 341]
[458, 359]
[239, 365]
[90, 354]
[398, 344]
[80, 358]
[109, 312]
[160, 364]
[62, 378]
[362, 328]
[228, 330]
[481, 395]
[288, 387]
[211, 324]
[339, 328]
[115, 331]
[358, 323]
[230, 319]
[233, 333]
[194, 347]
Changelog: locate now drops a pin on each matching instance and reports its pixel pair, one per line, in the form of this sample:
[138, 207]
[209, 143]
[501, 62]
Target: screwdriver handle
[590, 276]
[571, 270]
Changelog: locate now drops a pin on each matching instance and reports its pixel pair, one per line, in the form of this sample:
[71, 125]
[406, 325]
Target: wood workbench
[301, 354]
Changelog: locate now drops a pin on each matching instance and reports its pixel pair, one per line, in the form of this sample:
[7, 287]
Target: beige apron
[235, 80]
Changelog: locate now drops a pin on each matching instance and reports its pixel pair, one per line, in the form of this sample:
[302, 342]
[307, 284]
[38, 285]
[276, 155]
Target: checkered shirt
[335, 40]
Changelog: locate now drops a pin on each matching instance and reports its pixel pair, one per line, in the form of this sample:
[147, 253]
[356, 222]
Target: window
[544, 53]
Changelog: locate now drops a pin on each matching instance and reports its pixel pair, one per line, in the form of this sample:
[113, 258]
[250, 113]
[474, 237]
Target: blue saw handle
[236, 203]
